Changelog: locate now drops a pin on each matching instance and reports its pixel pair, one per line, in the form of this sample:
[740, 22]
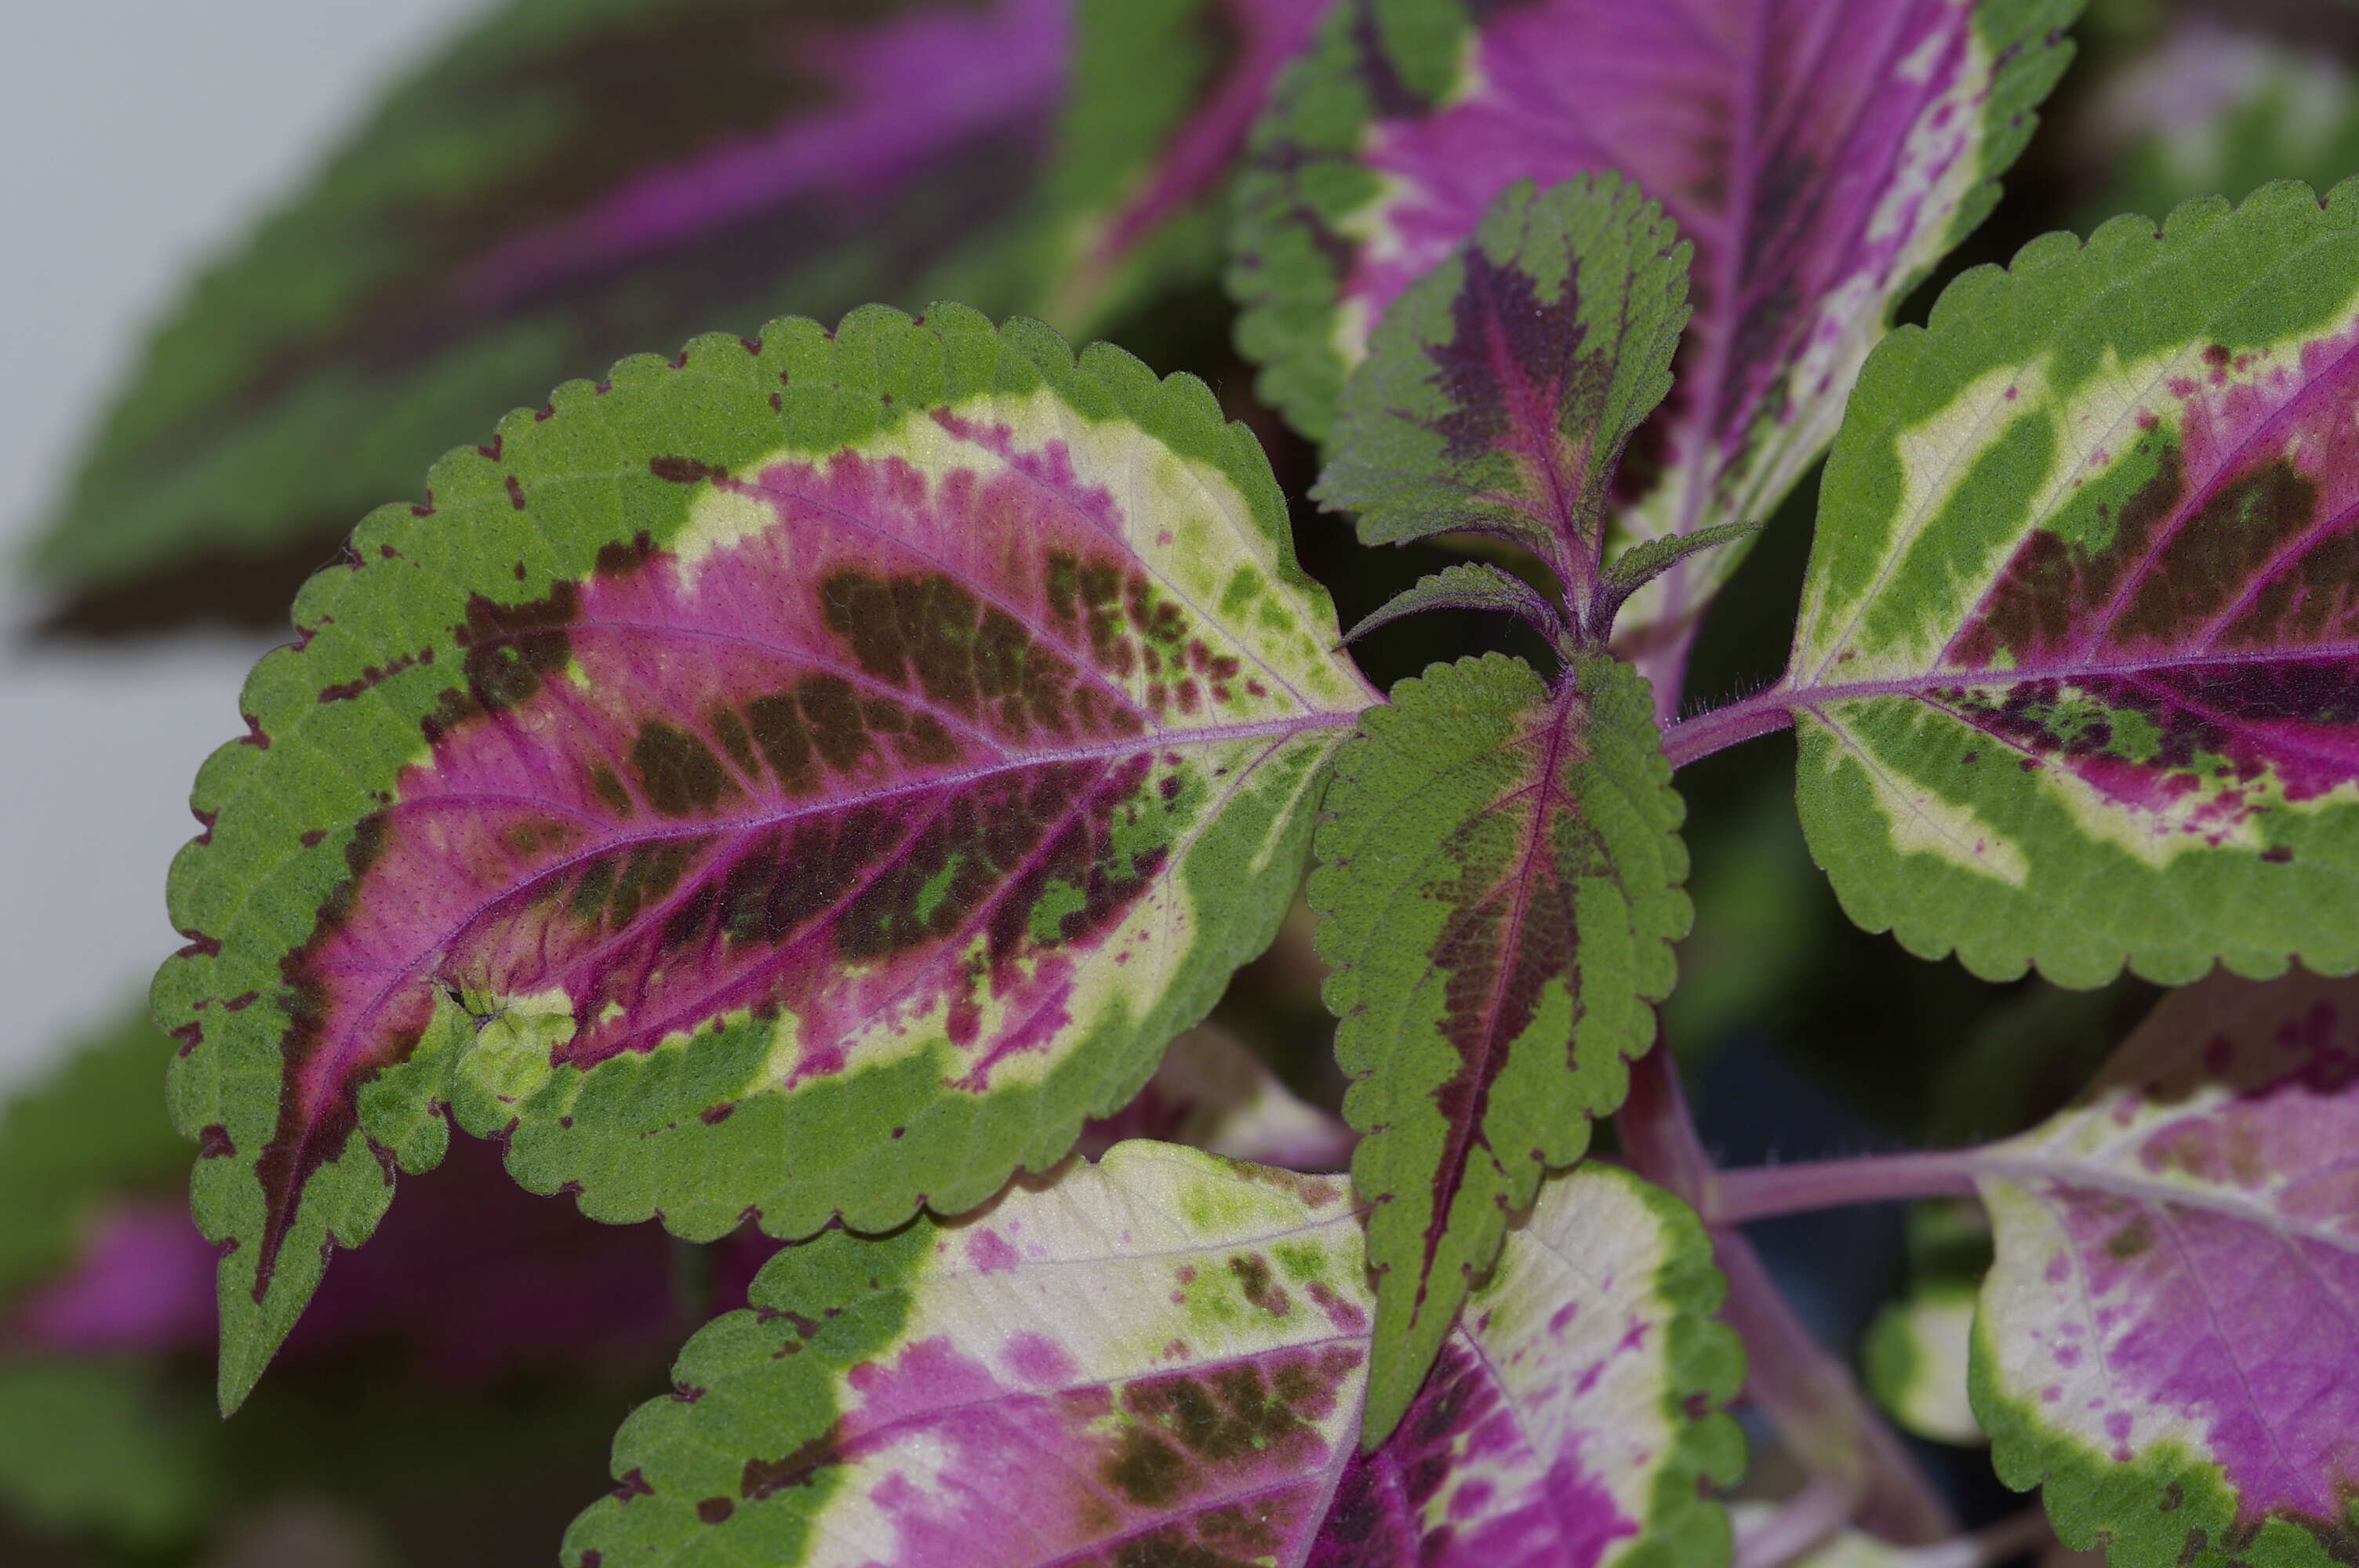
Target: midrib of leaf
[2193, 505]
[1458, 1144]
[1920, 686]
[1726, 311]
[1279, 729]
[2210, 1200]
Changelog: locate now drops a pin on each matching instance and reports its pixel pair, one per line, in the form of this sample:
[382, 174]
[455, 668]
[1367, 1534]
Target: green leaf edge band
[249, 856]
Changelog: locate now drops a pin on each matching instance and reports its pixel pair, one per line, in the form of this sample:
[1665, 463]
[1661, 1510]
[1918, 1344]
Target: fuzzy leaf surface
[1499, 885]
[2166, 1342]
[1160, 1358]
[2078, 664]
[801, 779]
[569, 183]
[1822, 155]
[1469, 585]
[1500, 391]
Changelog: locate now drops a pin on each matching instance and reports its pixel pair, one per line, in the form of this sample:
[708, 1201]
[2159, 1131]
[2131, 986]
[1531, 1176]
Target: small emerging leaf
[1498, 394]
[1498, 890]
[2076, 662]
[1161, 1359]
[1643, 562]
[804, 779]
[1822, 155]
[2167, 1341]
[1470, 585]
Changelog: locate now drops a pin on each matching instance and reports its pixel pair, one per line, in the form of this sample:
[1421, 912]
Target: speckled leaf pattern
[801, 779]
[2168, 1340]
[571, 182]
[2078, 663]
[1499, 885]
[1498, 394]
[1161, 1359]
[1820, 154]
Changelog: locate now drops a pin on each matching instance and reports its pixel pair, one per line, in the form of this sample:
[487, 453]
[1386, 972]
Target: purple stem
[1809, 1395]
[1690, 740]
[1764, 1192]
[1801, 1523]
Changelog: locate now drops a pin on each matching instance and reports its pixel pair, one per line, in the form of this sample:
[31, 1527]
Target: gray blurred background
[136, 137]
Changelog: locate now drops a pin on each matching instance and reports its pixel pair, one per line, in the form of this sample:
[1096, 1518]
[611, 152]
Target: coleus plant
[800, 784]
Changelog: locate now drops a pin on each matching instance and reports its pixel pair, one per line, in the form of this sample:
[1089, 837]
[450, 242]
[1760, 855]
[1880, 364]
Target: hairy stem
[1809, 1395]
[1764, 1192]
[1691, 740]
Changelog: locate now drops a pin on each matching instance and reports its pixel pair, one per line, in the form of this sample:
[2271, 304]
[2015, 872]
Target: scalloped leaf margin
[805, 778]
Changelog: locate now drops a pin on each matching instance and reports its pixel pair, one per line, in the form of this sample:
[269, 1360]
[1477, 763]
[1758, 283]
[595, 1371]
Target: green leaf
[805, 778]
[93, 1132]
[2075, 663]
[1470, 585]
[1162, 1359]
[1498, 890]
[1499, 393]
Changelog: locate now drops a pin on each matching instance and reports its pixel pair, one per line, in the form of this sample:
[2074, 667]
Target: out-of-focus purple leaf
[1822, 155]
[567, 183]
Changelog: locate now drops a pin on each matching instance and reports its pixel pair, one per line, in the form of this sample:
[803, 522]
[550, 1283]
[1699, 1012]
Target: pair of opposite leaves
[526, 668]
[385, 987]
[1161, 1358]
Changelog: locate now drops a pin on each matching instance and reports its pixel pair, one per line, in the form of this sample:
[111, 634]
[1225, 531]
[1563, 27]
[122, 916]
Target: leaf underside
[1160, 1358]
[803, 779]
[1498, 889]
[569, 183]
[2166, 1342]
[2078, 664]
[1822, 155]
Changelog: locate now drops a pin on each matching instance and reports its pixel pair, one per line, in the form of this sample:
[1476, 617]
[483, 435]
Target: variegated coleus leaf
[1820, 154]
[805, 778]
[2078, 664]
[1499, 888]
[2166, 1342]
[1499, 393]
[1161, 1359]
[569, 183]
[1213, 1093]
